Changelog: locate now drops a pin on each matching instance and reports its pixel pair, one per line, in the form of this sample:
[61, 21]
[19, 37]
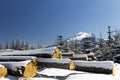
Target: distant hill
[81, 37]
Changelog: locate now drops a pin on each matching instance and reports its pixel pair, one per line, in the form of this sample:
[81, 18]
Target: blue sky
[40, 21]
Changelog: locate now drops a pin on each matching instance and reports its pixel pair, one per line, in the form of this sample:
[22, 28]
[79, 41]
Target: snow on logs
[80, 57]
[17, 58]
[22, 68]
[3, 71]
[51, 52]
[106, 67]
[56, 63]
[68, 54]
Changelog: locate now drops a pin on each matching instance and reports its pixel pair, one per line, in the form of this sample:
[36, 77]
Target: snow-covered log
[80, 57]
[56, 63]
[22, 68]
[52, 52]
[17, 58]
[95, 66]
[3, 71]
[68, 54]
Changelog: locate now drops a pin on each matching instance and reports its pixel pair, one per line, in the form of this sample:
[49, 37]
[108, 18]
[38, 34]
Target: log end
[86, 58]
[113, 70]
[73, 54]
[71, 65]
[30, 70]
[57, 54]
[3, 72]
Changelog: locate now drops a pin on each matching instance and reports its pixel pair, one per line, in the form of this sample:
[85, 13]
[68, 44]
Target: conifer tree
[6, 45]
[17, 45]
[0, 46]
[12, 46]
[26, 46]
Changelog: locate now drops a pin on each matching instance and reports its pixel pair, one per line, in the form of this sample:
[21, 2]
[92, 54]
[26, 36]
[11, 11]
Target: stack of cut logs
[25, 63]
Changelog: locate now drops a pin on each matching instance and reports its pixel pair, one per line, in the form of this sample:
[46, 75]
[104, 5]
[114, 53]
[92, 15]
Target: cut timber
[56, 63]
[68, 54]
[3, 71]
[52, 52]
[17, 58]
[80, 57]
[106, 67]
[56, 53]
[23, 68]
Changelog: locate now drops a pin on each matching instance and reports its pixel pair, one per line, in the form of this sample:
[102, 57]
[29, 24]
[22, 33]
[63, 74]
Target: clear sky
[40, 21]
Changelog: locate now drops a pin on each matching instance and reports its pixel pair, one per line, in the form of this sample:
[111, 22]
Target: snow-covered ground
[63, 74]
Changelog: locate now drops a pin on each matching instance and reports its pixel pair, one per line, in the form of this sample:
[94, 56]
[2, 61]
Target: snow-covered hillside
[79, 36]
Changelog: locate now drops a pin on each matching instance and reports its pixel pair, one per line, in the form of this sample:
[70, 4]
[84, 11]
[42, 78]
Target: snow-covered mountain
[79, 36]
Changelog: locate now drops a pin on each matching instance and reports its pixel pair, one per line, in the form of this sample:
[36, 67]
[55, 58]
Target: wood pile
[56, 63]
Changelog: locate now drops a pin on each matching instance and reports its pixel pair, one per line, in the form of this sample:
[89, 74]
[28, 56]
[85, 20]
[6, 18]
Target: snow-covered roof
[54, 60]
[50, 50]
[99, 64]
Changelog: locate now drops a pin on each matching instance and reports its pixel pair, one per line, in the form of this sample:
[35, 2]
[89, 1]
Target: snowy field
[63, 74]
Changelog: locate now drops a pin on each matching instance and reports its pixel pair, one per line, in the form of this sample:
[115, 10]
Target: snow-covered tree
[6, 45]
[117, 38]
[17, 45]
[0, 46]
[26, 46]
[12, 46]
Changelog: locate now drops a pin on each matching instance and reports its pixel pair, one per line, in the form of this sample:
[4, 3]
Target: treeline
[19, 45]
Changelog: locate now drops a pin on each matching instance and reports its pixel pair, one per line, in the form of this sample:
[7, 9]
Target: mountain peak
[84, 34]
[79, 36]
